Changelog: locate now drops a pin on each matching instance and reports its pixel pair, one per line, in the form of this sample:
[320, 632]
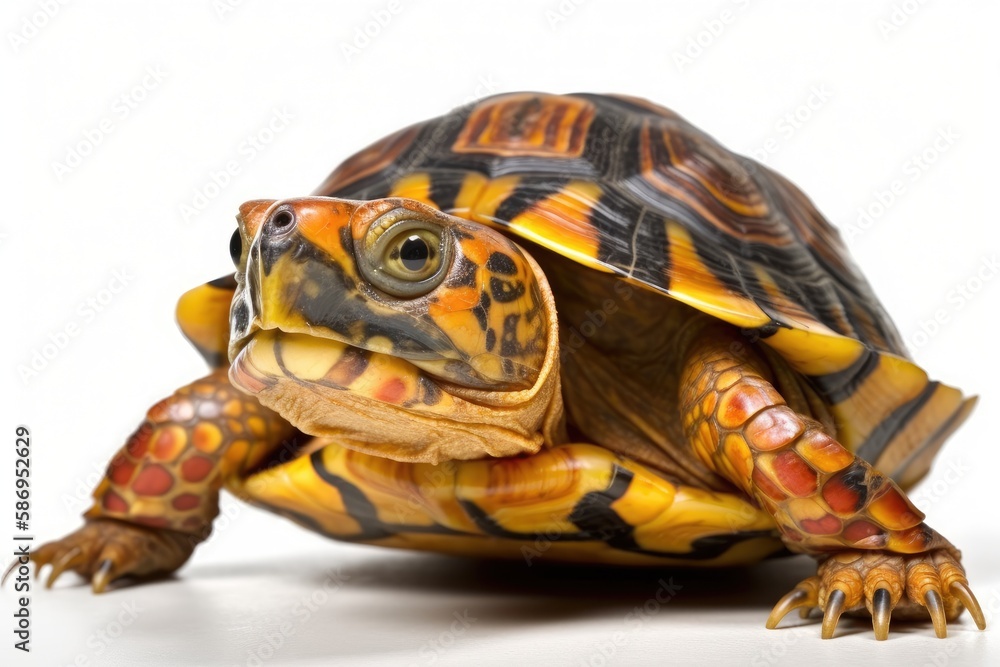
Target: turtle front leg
[161, 490]
[875, 551]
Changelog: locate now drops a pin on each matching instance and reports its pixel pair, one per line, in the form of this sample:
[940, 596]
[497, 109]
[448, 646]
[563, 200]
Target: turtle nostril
[280, 222]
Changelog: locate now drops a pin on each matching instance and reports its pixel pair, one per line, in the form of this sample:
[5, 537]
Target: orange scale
[766, 486]
[237, 452]
[233, 408]
[120, 471]
[843, 493]
[774, 428]
[138, 442]
[168, 443]
[825, 525]
[894, 511]
[114, 503]
[196, 468]
[738, 455]
[860, 530]
[206, 437]
[823, 452]
[794, 474]
[153, 480]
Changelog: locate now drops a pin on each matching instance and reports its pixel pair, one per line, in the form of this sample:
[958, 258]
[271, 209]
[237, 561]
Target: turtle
[571, 328]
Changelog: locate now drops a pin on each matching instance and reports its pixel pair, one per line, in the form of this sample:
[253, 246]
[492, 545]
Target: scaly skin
[825, 500]
[161, 491]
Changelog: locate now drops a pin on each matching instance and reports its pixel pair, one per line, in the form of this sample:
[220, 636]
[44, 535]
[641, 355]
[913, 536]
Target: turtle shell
[625, 186]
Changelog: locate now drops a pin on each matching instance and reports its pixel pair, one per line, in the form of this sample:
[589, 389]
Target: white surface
[882, 99]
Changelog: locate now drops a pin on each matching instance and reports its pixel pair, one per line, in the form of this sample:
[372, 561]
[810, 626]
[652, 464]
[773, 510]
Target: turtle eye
[405, 256]
[413, 255]
[236, 248]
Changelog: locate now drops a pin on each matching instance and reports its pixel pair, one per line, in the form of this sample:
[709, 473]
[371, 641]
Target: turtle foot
[106, 549]
[884, 585]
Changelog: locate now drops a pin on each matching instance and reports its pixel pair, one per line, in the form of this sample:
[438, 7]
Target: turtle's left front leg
[875, 550]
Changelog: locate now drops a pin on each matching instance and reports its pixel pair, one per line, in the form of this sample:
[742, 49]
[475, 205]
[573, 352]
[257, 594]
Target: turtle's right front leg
[161, 490]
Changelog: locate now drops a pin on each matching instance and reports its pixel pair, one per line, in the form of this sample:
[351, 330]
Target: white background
[881, 94]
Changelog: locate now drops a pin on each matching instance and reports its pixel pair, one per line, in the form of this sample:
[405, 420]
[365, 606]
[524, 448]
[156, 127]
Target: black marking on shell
[500, 263]
[841, 385]
[508, 367]
[505, 291]
[482, 310]
[445, 186]
[464, 274]
[508, 340]
[881, 435]
[526, 195]
[491, 339]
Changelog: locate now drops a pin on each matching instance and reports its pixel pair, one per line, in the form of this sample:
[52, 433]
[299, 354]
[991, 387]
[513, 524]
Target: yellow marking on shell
[891, 384]
[642, 502]
[792, 313]
[561, 222]
[203, 315]
[536, 494]
[414, 186]
[815, 352]
[693, 513]
[493, 193]
[693, 283]
[296, 486]
[471, 191]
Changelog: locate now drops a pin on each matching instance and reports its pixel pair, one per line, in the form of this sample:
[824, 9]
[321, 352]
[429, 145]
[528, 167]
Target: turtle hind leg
[826, 501]
[902, 586]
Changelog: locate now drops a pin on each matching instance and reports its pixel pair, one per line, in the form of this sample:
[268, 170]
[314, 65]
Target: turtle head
[365, 319]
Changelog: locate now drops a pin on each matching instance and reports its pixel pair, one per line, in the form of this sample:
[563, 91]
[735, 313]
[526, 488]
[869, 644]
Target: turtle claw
[104, 550]
[881, 613]
[962, 591]
[802, 597]
[907, 586]
[65, 561]
[932, 600]
[99, 582]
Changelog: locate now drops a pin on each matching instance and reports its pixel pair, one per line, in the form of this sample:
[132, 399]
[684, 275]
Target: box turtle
[566, 327]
